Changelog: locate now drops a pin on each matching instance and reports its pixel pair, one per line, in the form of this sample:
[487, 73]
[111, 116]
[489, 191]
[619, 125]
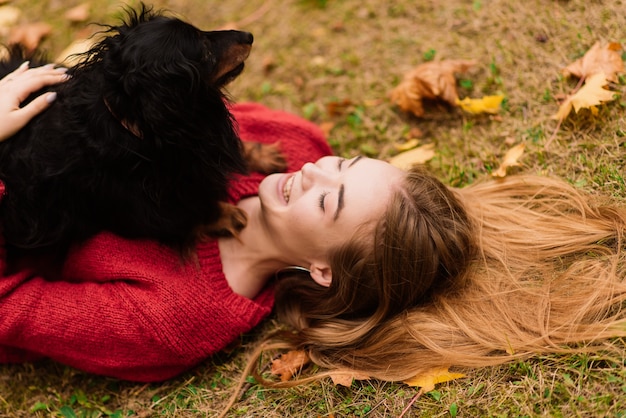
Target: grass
[334, 62]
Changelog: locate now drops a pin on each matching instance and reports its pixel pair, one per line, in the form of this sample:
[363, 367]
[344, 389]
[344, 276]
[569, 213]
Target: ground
[334, 62]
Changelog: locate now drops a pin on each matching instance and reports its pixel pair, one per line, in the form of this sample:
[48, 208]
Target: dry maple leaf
[29, 34]
[598, 59]
[432, 80]
[428, 380]
[289, 363]
[486, 104]
[591, 94]
[345, 377]
[405, 160]
[510, 160]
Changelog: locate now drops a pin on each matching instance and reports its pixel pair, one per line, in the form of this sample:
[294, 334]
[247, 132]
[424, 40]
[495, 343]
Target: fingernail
[24, 64]
[51, 97]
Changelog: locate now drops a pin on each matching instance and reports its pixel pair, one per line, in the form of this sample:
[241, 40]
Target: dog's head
[163, 78]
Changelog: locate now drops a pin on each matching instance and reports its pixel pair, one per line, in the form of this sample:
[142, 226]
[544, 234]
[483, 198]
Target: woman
[402, 274]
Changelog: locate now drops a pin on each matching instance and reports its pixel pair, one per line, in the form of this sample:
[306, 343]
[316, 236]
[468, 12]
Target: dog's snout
[248, 37]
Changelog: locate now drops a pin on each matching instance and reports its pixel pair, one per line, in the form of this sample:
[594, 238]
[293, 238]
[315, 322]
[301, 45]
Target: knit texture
[130, 308]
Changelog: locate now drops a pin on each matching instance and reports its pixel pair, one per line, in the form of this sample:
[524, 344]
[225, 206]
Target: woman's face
[323, 204]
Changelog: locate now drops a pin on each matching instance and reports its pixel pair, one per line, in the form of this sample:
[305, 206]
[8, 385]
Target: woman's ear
[321, 274]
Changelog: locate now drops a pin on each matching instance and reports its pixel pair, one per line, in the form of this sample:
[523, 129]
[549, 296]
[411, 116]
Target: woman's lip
[281, 187]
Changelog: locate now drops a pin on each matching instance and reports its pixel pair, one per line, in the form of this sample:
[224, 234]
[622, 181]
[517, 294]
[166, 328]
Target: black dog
[139, 142]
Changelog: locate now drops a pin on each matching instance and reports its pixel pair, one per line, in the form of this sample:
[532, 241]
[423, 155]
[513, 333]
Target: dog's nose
[249, 38]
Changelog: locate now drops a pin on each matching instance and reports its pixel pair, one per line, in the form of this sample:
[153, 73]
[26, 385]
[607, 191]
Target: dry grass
[312, 56]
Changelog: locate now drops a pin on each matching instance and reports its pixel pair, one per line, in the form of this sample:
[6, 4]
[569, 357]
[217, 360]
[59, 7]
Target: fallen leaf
[9, 16]
[428, 380]
[289, 363]
[29, 34]
[405, 160]
[326, 128]
[487, 104]
[78, 13]
[599, 58]
[68, 57]
[510, 160]
[337, 107]
[591, 94]
[431, 80]
[408, 145]
[345, 377]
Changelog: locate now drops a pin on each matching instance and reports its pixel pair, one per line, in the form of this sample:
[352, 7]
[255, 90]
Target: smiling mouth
[287, 188]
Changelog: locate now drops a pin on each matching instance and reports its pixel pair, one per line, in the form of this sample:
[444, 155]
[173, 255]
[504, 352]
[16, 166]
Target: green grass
[334, 62]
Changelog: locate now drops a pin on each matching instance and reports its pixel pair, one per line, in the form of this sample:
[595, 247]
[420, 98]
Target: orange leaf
[428, 380]
[510, 160]
[598, 59]
[590, 95]
[289, 363]
[432, 80]
[29, 34]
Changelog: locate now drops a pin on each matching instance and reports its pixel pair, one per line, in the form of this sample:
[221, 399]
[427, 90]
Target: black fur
[139, 141]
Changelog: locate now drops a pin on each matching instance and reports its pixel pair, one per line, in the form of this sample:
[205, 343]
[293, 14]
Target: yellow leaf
[590, 95]
[407, 159]
[410, 144]
[487, 104]
[428, 380]
[510, 160]
[345, 377]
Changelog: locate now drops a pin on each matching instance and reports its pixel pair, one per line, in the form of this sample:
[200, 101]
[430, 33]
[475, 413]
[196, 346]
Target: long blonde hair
[468, 277]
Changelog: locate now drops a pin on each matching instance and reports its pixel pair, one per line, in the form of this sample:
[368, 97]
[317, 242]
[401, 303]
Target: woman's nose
[314, 174]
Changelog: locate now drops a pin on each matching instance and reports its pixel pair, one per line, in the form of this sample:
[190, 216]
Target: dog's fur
[139, 141]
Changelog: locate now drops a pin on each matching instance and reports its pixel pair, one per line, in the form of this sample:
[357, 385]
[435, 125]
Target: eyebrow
[340, 199]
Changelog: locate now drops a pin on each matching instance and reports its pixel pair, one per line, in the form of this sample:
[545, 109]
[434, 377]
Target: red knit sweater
[129, 308]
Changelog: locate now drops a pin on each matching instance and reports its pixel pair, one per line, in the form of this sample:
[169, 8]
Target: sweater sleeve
[127, 309]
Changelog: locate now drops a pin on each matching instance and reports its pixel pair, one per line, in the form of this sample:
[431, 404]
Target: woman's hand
[16, 87]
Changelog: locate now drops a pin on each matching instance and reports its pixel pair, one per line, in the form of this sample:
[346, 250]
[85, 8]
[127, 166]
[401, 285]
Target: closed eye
[321, 201]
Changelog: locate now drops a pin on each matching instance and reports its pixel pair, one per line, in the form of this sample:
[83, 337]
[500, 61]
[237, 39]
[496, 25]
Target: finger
[19, 70]
[23, 115]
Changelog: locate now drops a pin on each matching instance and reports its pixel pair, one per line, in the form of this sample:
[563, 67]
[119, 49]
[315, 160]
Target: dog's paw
[264, 158]
[232, 220]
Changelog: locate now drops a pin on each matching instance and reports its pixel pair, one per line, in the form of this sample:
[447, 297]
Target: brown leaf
[345, 377]
[29, 34]
[289, 363]
[78, 13]
[591, 94]
[432, 80]
[598, 59]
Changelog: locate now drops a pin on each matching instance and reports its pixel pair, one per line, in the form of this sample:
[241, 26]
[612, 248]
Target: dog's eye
[206, 55]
